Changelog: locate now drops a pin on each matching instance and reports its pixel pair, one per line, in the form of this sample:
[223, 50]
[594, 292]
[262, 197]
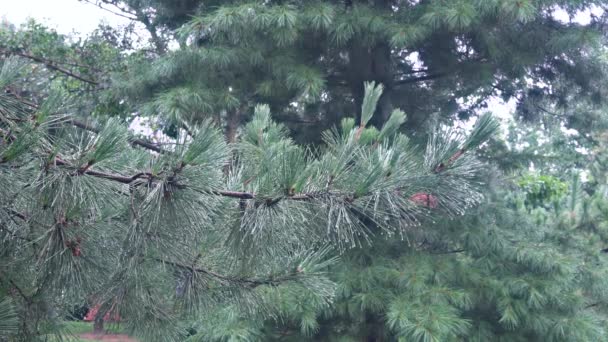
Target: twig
[450, 252]
[419, 78]
[76, 123]
[251, 282]
[19, 291]
[135, 141]
[51, 65]
[109, 10]
[109, 176]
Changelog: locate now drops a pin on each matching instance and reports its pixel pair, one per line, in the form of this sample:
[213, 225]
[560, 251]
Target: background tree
[457, 53]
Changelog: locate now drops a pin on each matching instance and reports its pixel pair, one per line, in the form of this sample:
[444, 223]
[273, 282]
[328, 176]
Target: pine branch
[419, 78]
[76, 123]
[108, 176]
[485, 127]
[17, 288]
[250, 282]
[450, 252]
[592, 305]
[51, 65]
[135, 141]
[17, 214]
[224, 193]
[111, 11]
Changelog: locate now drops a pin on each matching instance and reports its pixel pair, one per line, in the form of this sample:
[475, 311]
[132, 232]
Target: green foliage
[541, 190]
[9, 321]
[229, 230]
[494, 274]
[163, 236]
[370, 101]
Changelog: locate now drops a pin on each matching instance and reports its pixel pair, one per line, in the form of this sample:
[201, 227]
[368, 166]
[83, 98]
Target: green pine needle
[485, 127]
[9, 321]
[370, 100]
[392, 125]
[110, 141]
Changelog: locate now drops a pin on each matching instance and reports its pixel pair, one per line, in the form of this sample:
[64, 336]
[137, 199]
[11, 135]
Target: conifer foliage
[385, 228]
[154, 233]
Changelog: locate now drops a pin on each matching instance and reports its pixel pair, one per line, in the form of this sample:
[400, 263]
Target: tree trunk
[382, 72]
[98, 325]
[233, 121]
[98, 322]
[371, 64]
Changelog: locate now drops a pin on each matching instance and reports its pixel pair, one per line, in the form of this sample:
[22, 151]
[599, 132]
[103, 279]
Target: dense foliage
[284, 197]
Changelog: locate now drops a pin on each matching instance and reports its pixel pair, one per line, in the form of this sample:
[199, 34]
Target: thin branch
[225, 193]
[419, 78]
[19, 98]
[17, 214]
[442, 166]
[51, 65]
[18, 289]
[78, 65]
[113, 177]
[592, 305]
[76, 123]
[450, 252]
[135, 141]
[224, 278]
[98, 4]
[161, 47]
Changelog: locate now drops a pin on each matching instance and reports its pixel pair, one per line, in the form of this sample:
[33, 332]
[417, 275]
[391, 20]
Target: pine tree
[505, 271]
[309, 59]
[158, 233]
[509, 270]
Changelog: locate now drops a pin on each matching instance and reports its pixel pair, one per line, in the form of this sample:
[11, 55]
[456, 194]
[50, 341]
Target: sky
[66, 16]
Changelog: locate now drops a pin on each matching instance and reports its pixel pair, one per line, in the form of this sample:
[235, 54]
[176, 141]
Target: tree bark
[371, 64]
[98, 325]
[233, 121]
[382, 72]
[98, 322]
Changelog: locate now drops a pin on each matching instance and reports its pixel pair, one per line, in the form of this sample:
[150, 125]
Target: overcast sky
[64, 15]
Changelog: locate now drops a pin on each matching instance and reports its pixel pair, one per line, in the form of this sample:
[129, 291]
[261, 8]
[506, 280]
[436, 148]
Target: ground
[106, 337]
[83, 332]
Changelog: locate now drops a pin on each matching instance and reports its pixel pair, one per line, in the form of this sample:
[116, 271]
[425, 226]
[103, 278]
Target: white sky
[63, 15]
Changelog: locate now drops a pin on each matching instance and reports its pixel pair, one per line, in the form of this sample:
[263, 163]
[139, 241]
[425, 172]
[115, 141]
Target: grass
[81, 327]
